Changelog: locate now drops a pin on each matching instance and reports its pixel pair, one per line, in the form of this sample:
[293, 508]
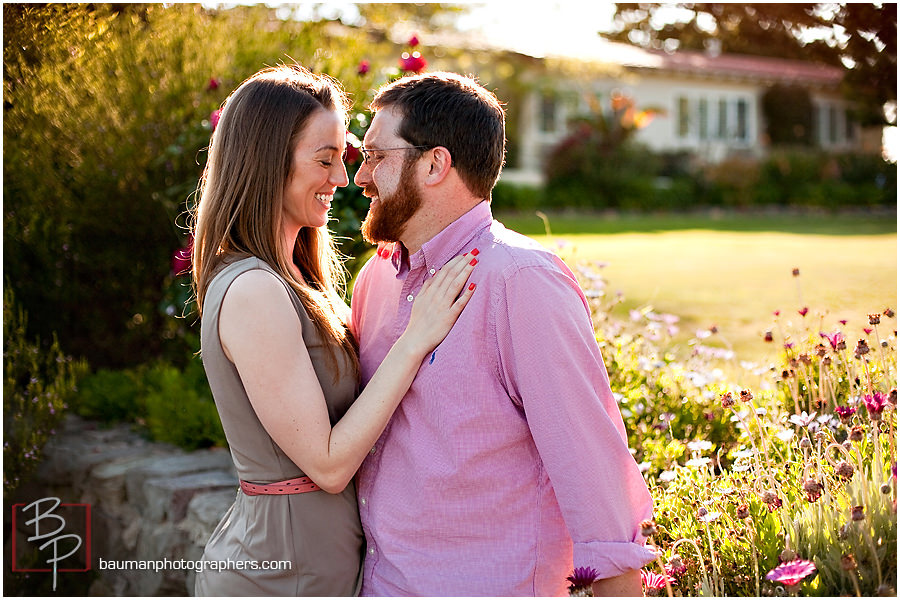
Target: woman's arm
[262, 336]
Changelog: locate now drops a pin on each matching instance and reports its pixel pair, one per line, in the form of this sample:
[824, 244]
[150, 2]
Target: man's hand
[626, 584]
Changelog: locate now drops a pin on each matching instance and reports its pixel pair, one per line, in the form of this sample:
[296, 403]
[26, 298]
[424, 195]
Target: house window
[703, 118]
[742, 126]
[722, 130]
[548, 113]
[833, 124]
[849, 131]
[684, 118]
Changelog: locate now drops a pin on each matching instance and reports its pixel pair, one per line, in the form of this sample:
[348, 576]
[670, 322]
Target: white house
[711, 103]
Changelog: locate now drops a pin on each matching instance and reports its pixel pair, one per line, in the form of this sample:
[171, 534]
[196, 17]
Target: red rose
[412, 62]
[214, 118]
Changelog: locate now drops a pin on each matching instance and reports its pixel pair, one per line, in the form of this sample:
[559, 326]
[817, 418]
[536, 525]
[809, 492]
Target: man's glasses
[368, 152]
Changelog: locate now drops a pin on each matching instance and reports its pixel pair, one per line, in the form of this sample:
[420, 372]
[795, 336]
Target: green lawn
[734, 271]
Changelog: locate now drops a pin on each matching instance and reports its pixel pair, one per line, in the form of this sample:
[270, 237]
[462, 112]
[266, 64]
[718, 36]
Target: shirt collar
[437, 251]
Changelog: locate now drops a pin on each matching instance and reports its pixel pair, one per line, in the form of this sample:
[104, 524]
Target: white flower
[803, 419]
[785, 435]
[699, 445]
[667, 476]
[698, 462]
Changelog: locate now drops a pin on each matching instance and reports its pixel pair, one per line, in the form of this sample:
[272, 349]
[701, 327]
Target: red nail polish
[475, 252]
[474, 262]
[471, 286]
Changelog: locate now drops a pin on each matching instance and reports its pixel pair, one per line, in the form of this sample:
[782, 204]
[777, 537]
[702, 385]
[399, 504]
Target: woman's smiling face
[317, 170]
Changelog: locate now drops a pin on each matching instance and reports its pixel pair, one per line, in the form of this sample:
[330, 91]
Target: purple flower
[835, 339]
[845, 412]
[875, 404]
[791, 573]
[654, 581]
[803, 311]
[413, 42]
[581, 579]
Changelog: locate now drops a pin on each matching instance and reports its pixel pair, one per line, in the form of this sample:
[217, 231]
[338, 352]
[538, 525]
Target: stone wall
[149, 501]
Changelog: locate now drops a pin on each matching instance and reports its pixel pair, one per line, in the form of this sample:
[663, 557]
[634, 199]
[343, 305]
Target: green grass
[735, 271]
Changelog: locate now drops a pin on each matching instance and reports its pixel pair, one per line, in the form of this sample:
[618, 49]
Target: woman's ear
[439, 165]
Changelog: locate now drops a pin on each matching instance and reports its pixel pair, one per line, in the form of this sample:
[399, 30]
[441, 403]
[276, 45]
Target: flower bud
[805, 444]
[768, 336]
[648, 528]
[857, 513]
[885, 488]
[787, 555]
[746, 396]
[862, 348]
[743, 511]
[844, 469]
[874, 319]
[889, 313]
[796, 272]
[857, 433]
[848, 562]
[727, 400]
[675, 566]
[769, 496]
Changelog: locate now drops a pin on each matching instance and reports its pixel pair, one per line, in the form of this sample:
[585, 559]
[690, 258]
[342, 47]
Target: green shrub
[110, 397]
[38, 381]
[180, 407]
[515, 197]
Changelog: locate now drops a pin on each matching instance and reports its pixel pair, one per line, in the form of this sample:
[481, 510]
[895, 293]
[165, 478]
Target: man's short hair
[456, 112]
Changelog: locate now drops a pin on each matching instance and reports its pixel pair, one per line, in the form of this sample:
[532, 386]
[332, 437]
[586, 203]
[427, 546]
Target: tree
[862, 38]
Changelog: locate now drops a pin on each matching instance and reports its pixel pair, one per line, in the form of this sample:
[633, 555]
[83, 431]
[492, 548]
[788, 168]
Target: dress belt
[298, 485]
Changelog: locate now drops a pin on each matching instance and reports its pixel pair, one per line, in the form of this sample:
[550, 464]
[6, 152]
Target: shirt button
[410, 298]
[432, 271]
[362, 501]
[371, 550]
[372, 451]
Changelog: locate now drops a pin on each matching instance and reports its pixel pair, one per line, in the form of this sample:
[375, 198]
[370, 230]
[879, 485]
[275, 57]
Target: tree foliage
[861, 37]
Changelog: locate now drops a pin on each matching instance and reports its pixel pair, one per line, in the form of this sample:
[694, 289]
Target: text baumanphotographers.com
[199, 566]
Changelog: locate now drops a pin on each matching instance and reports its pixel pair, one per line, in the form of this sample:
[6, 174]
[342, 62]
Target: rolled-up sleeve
[551, 365]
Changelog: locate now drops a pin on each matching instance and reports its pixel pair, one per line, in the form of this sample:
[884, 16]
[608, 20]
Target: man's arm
[551, 364]
[626, 584]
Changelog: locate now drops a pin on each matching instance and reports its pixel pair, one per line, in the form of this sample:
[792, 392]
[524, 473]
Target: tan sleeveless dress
[318, 532]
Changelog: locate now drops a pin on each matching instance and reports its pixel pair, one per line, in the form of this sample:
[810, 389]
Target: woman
[279, 359]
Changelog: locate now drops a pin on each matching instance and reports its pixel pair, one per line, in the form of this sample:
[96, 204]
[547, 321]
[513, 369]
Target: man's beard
[388, 216]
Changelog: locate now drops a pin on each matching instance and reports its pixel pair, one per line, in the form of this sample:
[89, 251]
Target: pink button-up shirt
[507, 460]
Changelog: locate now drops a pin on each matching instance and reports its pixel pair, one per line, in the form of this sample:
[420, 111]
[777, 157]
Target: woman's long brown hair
[239, 212]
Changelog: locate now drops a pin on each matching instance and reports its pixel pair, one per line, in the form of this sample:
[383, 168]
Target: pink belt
[298, 485]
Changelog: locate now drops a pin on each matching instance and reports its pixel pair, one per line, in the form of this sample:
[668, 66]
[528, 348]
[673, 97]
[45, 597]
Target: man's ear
[439, 164]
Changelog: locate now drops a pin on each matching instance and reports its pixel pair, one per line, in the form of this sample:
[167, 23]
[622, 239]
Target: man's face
[388, 178]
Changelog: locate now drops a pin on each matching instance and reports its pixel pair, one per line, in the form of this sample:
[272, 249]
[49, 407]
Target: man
[506, 464]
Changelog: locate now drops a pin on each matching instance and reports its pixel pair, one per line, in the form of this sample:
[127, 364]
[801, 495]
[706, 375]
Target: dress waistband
[298, 485]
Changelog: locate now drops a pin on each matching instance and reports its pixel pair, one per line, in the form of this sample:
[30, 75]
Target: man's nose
[363, 176]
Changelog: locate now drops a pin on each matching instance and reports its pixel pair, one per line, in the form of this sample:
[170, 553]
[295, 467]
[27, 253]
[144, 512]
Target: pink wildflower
[792, 573]
[803, 311]
[213, 84]
[363, 67]
[654, 581]
[413, 42]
